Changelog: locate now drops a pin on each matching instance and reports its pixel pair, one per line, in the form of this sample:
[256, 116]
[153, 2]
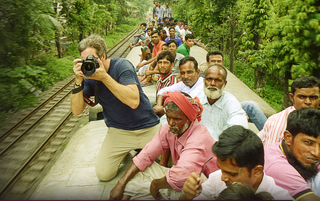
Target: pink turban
[191, 107]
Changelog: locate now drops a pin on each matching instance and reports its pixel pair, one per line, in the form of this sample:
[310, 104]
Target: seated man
[305, 93]
[165, 62]
[191, 82]
[173, 46]
[141, 35]
[240, 156]
[164, 47]
[156, 49]
[190, 145]
[173, 37]
[145, 56]
[221, 108]
[163, 35]
[251, 108]
[148, 37]
[294, 162]
[184, 31]
[185, 47]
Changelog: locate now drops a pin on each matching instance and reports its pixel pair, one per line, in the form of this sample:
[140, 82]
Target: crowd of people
[194, 143]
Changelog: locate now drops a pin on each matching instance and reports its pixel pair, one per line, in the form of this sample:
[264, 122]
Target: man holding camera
[128, 112]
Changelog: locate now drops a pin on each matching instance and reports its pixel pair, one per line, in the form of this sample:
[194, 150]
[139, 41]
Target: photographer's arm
[77, 103]
[127, 94]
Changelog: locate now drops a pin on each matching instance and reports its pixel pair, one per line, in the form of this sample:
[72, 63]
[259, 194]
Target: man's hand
[154, 190]
[140, 65]
[77, 71]
[191, 188]
[117, 192]
[100, 73]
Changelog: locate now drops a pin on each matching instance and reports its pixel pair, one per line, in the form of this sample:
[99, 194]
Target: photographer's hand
[77, 71]
[100, 73]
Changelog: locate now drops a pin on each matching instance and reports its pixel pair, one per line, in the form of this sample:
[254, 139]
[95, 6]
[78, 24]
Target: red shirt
[157, 48]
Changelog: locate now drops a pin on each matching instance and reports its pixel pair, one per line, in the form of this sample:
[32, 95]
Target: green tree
[294, 40]
[254, 16]
[24, 30]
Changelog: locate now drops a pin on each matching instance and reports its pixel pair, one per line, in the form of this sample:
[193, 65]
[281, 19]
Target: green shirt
[183, 49]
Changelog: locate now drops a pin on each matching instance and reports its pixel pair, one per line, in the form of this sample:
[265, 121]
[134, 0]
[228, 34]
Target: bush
[273, 91]
[25, 82]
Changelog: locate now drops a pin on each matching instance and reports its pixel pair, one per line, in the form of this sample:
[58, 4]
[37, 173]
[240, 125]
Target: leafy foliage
[32, 30]
[281, 41]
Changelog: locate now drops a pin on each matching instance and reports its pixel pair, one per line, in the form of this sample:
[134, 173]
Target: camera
[89, 65]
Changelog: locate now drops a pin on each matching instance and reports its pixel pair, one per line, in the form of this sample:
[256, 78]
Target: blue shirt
[118, 114]
[177, 38]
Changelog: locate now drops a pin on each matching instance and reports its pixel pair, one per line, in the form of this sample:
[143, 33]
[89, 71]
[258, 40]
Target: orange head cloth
[191, 107]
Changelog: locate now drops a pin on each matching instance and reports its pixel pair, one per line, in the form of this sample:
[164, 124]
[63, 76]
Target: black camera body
[89, 65]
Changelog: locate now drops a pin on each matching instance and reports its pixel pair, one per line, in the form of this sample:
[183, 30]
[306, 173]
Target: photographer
[128, 113]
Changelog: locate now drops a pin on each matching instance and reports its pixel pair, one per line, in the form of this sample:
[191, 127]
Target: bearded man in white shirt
[221, 109]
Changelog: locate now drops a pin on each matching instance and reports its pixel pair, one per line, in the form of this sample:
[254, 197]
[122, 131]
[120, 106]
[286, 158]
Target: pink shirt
[189, 153]
[285, 175]
[274, 127]
[157, 48]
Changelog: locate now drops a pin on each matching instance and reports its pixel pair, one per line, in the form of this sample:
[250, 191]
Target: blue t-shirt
[117, 114]
[177, 38]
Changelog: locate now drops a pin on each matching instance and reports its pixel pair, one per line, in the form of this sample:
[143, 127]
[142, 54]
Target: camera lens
[89, 67]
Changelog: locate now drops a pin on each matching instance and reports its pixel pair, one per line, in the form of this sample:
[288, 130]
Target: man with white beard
[221, 109]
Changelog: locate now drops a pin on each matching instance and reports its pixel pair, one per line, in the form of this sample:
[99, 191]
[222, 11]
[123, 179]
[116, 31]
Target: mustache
[212, 87]
[173, 127]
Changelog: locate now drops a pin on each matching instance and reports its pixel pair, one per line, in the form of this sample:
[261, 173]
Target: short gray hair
[95, 41]
[218, 65]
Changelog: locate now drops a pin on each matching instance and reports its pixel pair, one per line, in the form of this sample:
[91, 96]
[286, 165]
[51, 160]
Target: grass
[273, 91]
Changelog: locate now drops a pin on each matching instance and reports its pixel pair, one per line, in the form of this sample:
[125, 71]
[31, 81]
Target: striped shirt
[165, 81]
[274, 127]
[224, 113]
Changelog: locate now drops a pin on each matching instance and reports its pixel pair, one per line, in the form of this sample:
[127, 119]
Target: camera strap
[96, 96]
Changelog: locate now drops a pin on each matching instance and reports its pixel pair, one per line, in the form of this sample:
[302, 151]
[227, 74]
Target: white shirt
[180, 86]
[213, 186]
[224, 113]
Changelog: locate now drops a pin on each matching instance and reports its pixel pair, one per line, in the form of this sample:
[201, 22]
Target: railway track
[30, 144]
